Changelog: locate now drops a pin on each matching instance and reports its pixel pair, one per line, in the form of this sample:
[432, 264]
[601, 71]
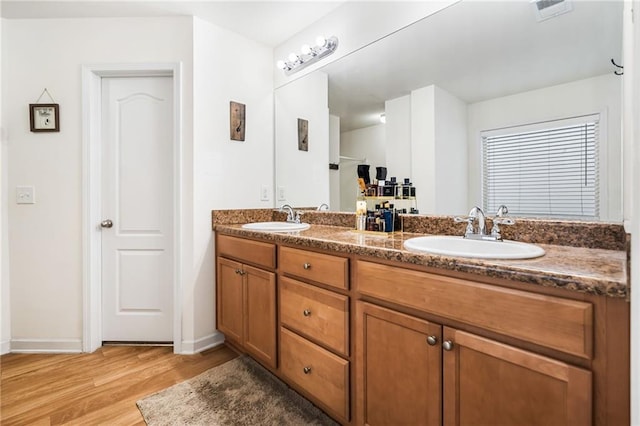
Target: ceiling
[476, 50]
[267, 22]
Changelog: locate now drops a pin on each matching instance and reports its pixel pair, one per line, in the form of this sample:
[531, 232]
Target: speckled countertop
[599, 268]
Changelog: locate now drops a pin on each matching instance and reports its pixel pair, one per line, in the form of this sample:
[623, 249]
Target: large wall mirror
[441, 82]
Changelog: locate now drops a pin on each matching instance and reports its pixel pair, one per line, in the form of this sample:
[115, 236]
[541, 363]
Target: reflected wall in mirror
[472, 67]
[302, 176]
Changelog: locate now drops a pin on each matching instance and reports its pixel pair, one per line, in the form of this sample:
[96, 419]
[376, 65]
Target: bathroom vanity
[375, 334]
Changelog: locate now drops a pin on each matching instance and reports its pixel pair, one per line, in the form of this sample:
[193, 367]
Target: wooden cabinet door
[260, 314]
[399, 368]
[229, 295]
[490, 383]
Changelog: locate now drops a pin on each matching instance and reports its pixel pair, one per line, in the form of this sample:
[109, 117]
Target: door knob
[106, 223]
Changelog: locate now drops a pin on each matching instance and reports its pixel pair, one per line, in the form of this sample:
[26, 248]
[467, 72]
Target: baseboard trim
[46, 345]
[190, 347]
[5, 347]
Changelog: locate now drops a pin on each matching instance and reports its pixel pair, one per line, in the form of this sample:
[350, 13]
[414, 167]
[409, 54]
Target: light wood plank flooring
[92, 389]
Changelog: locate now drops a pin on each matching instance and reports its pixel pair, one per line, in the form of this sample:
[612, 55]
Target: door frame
[92, 76]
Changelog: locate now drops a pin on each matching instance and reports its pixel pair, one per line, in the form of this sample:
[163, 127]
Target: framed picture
[44, 117]
[303, 134]
[237, 113]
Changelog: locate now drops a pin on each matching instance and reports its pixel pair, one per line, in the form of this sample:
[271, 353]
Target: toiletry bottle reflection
[361, 215]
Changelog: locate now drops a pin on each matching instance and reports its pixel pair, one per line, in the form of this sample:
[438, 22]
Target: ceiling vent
[546, 9]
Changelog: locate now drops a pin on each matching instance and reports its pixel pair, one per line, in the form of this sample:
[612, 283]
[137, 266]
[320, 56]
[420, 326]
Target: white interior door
[137, 207]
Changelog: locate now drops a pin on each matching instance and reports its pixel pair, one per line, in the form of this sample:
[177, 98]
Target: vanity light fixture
[308, 54]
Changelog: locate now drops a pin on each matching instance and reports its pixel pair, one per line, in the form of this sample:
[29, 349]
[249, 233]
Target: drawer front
[557, 323]
[320, 373]
[322, 268]
[255, 252]
[319, 314]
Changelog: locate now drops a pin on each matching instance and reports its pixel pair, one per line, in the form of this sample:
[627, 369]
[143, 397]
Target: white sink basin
[276, 226]
[462, 247]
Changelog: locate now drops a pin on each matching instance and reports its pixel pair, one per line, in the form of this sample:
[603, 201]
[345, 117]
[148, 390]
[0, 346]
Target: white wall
[398, 136]
[5, 306]
[438, 151]
[334, 157]
[226, 174]
[303, 175]
[45, 239]
[451, 154]
[368, 142]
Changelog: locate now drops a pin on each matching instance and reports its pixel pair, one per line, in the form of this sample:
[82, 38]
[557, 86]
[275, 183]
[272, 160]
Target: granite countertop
[592, 270]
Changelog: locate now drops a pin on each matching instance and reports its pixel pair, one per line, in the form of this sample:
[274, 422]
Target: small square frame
[44, 117]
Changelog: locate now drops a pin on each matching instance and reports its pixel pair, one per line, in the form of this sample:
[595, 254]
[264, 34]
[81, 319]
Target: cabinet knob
[306, 370]
[238, 271]
[307, 266]
[447, 345]
[306, 312]
[432, 340]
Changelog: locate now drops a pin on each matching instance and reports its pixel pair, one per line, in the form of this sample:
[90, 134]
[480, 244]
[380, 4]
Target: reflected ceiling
[476, 50]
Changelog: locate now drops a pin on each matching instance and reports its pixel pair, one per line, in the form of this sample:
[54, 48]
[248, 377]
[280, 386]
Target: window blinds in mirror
[546, 169]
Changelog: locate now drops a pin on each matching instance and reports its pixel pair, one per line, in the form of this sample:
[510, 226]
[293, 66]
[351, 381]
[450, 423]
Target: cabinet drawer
[320, 373]
[322, 268]
[255, 252]
[557, 323]
[319, 314]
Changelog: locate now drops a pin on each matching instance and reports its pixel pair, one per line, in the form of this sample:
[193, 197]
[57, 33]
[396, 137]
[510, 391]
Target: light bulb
[293, 57]
[305, 49]
[321, 41]
[281, 64]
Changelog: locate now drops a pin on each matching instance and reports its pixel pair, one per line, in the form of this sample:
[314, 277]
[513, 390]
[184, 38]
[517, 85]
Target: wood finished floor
[100, 388]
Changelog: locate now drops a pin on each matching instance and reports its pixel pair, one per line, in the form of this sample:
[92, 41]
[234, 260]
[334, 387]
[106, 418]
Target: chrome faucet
[480, 232]
[477, 214]
[502, 210]
[292, 215]
[498, 220]
[323, 206]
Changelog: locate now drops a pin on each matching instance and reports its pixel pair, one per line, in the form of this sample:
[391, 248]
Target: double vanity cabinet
[380, 341]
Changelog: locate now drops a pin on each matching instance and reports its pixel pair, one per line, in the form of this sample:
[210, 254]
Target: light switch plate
[264, 193]
[281, 193]
[25, 195]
